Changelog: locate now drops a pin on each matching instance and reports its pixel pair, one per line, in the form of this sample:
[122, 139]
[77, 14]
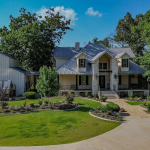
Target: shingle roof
[93, 51]
[64, 52]
[121, 54]
[18, 69]
[133, 69]
[121, 50]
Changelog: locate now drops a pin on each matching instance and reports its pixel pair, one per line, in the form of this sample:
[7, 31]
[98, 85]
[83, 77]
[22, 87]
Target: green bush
[112, 107]
[40, 102]
[148, 107]
[109, 112]
[136, 98]
[103, 98]
[30, 95]
[131, 96]
[86, 94]
[70, 99]
[37, 96]
[148, 97]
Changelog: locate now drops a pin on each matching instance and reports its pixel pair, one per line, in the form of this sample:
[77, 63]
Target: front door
[102, 81]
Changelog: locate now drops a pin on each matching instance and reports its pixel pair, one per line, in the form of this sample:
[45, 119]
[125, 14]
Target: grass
[136, 103]
[52, 127]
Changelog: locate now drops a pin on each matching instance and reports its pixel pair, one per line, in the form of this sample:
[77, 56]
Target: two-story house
[96, 67]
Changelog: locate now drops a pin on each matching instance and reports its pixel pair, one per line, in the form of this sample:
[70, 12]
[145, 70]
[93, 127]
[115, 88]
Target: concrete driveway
[133, 134]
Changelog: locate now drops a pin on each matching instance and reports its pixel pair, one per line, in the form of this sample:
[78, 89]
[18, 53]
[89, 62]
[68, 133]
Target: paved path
[133, 134]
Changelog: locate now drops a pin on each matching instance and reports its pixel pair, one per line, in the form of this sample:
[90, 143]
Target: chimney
[77, 46]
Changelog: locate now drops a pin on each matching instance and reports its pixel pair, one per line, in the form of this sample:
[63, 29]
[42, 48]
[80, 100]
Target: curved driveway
[132, 134]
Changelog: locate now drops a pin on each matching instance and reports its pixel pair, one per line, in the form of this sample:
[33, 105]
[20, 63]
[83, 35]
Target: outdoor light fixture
[115, 76]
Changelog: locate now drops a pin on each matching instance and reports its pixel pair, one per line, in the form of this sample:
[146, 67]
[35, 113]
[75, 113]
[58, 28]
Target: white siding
[9, 74]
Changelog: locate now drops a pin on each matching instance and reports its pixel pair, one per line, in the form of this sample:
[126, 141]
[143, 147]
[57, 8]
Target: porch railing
[73, 87]
[132, 86]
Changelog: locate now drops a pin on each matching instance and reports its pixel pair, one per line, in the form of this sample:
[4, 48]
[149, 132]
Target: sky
[90, 18]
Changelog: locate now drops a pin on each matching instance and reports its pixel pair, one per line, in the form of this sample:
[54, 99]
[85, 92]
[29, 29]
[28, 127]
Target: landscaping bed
[110, 112]
[42, 105]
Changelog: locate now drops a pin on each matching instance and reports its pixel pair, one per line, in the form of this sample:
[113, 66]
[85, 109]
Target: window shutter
[79, 63]
[119, 79]
[127, 62]
[122, 62]
[87, 80]
[84, 63]
[79, 80]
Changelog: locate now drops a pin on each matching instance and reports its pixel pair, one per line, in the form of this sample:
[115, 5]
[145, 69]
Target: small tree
[47, 84]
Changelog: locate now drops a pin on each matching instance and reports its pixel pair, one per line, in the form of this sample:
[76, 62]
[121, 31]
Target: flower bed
[110, 112]
[46, 105]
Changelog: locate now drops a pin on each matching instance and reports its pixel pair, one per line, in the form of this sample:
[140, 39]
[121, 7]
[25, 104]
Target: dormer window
[82, 63]
[125, 62]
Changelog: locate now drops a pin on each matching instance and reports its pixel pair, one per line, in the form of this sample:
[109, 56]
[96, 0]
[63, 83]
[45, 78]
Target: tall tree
[31, 39]
[124, 33]
[105, 42]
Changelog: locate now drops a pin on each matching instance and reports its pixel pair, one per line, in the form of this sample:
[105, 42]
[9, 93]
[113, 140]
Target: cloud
[91, 12]
[67, 12]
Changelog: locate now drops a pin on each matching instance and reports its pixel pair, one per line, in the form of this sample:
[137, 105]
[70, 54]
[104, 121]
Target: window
[102, 65]
[82, 63]
[124, 62]
[83, 80]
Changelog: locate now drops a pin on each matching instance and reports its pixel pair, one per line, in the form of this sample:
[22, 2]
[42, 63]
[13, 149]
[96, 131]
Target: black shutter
[87, 80]
[79, 80]
[79, 63]
[119, 79]
[84, 63]
[127, 62]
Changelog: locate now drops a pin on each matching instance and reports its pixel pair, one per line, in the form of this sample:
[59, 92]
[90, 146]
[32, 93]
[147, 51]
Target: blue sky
[90, 18]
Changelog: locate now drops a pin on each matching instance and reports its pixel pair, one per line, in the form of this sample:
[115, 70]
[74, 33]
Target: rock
[122, 110]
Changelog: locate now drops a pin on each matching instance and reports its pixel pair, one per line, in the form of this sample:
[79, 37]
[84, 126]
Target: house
[10, 70]
[93, 68]
[96, 68]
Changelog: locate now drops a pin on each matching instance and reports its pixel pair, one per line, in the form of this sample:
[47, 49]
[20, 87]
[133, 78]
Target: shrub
[148, 107]
[102, 109]
[31, 104]
[70, 99]
[131, 96]
[37, 95]
[148, 97]
[112, 107]
[86, 94]
[12, 111]
[103, 98]
[40, 102]
[89, 96]
[136, 98]
[119, 118]
[30, 95]
[109, 112]
[46, 102]
[3, 104]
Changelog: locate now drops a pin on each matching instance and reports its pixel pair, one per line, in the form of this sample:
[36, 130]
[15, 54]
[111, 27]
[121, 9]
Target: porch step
[110, 94]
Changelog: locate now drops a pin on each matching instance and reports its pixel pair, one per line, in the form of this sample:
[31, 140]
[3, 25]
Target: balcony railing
[73, 87]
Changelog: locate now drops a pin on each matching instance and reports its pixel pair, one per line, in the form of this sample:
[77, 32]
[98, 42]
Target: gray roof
[133, 69]
[18, 69]
[122, 50]
[8, 56]
[64, 52]
[121, 54]
[93, 51]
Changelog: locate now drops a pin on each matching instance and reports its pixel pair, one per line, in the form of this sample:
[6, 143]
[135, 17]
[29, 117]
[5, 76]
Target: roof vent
[77, 46]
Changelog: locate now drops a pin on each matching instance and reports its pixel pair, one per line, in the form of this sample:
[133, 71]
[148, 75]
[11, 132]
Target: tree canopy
[31, 39]
[133, 39]
[105, 42]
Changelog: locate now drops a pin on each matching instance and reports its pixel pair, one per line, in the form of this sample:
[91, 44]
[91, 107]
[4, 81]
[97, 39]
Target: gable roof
[80, 54]
[121, 50]
[133, 69]
[121, 54]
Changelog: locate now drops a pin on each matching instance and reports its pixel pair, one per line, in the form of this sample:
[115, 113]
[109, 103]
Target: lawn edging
[103, 118]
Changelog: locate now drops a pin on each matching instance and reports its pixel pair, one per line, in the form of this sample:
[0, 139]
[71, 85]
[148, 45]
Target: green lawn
[52, 127]
[136, 103]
